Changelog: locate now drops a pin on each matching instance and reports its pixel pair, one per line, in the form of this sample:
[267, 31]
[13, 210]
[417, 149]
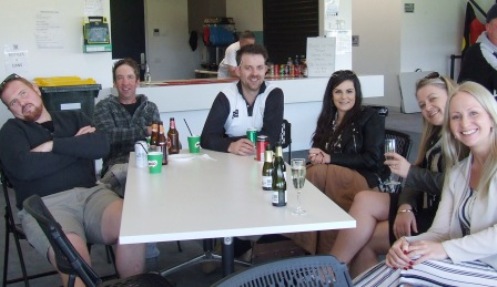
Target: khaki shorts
[78, 210]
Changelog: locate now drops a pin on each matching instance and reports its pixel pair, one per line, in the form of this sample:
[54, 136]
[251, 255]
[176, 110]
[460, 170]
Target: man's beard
[34, 115]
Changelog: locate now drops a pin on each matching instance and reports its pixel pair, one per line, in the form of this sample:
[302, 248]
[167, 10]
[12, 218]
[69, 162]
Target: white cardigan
[482, 241]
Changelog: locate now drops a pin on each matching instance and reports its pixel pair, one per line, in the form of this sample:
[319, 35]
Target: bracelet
[404, 211]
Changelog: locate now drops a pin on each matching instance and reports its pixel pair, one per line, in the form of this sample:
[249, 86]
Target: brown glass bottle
[173, 136]
[162, 144]
[154, 138]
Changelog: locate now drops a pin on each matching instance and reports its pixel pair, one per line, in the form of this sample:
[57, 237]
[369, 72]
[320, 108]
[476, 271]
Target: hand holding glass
[390, 147]
[298, 178]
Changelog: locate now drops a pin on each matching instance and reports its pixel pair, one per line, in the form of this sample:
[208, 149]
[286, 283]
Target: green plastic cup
[194, 144]
[154, 162]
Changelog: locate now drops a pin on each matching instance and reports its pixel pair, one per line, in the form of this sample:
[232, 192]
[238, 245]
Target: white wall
[378, 25]
[247, 14]
[169, 53]
[392, 41]
[427, 48]
[19, 27]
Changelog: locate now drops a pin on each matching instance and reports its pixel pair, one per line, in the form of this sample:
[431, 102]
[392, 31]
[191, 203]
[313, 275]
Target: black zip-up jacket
[363, 147]
[475, 68]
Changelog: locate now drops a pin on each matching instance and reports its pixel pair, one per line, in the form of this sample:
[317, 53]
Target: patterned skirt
[430, 273]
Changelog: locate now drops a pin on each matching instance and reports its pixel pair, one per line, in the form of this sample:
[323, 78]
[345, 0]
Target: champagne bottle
[162, 144]
[279, 182]
[267, 169]
[154, 138]
[173, 136]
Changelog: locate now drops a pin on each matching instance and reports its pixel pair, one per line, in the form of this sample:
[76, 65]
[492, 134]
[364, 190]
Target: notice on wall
[344, 41]
[49, 32]
[16, 59]
[321, 56]
[331, 10]
[93, 8]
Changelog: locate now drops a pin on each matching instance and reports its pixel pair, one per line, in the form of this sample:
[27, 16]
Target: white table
[214, 195]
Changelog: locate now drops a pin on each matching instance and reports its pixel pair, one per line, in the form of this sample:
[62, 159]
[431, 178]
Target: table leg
[228, 256]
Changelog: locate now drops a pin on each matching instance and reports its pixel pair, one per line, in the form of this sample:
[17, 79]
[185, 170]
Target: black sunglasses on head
[7, 80]
[343, 73]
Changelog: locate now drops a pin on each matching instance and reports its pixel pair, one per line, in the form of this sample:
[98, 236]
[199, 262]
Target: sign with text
[15, 59]
[321, 56]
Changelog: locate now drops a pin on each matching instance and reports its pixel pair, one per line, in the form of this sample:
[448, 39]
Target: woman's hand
[397, 256]
[317, 155]
[404, 222]
[397, 164]
[421, 251]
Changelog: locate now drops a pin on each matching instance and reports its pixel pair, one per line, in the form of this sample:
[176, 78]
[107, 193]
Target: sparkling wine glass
[390, 147]
[298, 178]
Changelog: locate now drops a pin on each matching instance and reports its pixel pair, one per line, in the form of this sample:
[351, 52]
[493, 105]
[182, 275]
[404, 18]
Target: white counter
[303, 98]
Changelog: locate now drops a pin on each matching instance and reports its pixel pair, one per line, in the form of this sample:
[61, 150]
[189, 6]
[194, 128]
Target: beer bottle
[147, 77]
[279, 197]
[173, 136]
[267, 169]
[154, 138]
[162, 144]
[303, 66]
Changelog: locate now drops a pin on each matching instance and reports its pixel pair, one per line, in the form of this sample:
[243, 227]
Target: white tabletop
[215, 195]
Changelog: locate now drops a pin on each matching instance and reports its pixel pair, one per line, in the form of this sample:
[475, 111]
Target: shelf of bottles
[293, 68]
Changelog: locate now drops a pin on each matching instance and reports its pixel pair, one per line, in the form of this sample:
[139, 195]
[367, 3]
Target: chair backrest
[286, 138]
[382, 110]
[318, 270]
[9, 212]
[286, 134]
[68, 259]
[402, 142]
[5, 186]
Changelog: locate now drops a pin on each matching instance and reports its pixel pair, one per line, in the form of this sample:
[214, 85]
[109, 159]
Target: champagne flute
[390, 147]
[298, 178]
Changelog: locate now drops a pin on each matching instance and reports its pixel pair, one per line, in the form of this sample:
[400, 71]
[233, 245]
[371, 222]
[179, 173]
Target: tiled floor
[170, 256]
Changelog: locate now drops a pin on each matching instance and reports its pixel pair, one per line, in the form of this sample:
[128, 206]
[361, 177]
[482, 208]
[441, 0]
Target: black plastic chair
[382, 110]
[402, 141]
[402, 146]
[319, 270]
[15, 229]
[286, 138]
[68, 259]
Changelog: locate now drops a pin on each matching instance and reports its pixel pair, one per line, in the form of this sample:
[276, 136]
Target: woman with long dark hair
[347, 150]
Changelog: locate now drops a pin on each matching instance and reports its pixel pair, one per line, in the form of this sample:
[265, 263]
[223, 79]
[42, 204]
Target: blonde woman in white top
[459, 248]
